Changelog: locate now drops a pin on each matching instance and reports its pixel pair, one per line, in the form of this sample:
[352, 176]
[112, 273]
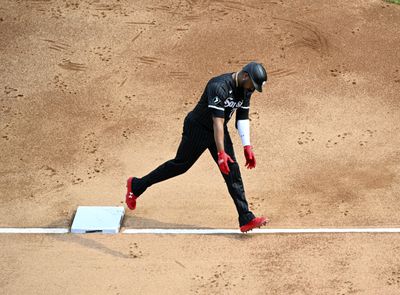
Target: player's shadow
[132, 221]
[84, 240]
[142, 223]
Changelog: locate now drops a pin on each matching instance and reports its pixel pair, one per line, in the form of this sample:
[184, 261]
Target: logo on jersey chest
[230, 103]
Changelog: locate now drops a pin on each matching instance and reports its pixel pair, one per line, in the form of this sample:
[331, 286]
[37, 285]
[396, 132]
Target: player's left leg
[234, 180]
[194, 142]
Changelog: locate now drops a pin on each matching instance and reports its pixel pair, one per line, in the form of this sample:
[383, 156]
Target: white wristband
[243, 127]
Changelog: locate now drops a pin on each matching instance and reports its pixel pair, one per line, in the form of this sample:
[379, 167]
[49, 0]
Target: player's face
[248, 84]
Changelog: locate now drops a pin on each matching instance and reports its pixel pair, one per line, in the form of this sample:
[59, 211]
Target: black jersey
[221, 98]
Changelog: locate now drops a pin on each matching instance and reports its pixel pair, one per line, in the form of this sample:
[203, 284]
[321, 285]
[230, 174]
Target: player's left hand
[250, 159]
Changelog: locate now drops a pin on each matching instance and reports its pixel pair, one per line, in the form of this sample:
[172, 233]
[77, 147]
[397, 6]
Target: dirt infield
[76, 264]
[96, 91]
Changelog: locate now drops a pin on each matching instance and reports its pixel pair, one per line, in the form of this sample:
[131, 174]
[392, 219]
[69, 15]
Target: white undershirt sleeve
[243, 128]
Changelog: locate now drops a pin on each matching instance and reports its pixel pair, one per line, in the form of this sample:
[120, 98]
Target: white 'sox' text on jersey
[229, 103]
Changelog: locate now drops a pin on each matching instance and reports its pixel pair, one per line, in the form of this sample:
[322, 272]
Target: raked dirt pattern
[92, 92]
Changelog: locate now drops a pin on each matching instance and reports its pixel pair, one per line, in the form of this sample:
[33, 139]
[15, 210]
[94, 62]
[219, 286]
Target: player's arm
[216, 100]
[242, 124]
[223, 158]
[218, 126]
[216, 97]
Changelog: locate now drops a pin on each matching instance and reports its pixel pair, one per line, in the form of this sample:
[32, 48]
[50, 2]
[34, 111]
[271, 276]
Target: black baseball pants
[195, 140]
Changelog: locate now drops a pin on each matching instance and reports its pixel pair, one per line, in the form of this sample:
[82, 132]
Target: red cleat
[255, 222]
[130, 197]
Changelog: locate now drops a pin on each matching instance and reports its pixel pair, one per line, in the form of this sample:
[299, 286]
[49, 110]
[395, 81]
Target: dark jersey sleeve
[242, 113]
[216, 97]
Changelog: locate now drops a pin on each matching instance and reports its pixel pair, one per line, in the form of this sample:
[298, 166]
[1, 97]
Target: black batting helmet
[257, 73]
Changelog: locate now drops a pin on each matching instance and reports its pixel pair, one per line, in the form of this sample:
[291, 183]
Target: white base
[90, 219]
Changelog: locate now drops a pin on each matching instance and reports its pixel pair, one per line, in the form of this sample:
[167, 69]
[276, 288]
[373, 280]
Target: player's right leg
[247, 220]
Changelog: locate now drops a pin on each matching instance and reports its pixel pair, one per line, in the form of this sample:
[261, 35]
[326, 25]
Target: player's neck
[236, 79]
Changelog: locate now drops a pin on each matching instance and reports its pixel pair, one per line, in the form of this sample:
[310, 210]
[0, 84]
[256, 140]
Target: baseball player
[205, 127]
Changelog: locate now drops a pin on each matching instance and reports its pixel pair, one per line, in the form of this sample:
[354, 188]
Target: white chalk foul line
[33, 230]
[260, 231]
[41, 230]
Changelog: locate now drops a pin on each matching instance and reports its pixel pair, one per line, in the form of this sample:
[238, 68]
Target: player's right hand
[223, 159]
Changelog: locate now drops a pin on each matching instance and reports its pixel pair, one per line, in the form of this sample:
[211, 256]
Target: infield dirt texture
[92, 92]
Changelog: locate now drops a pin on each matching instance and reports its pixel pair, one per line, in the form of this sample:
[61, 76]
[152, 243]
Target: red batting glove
[223, 159]
[250, 159]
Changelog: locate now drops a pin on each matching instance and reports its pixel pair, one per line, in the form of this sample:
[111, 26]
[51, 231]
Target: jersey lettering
[229, 103]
